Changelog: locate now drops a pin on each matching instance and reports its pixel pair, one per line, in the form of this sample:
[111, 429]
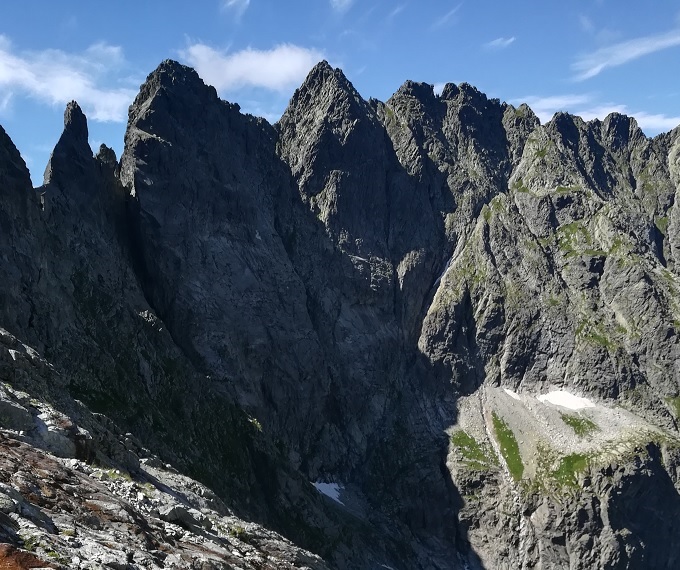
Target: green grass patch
[475, 456]
[574, 238]
[582, 426]
[595, 334]
[509, 448]
[518, 186]
[662, 224]
[563, 190]
[31, 543]
[569, 467]
[674, 404]
[237, 531]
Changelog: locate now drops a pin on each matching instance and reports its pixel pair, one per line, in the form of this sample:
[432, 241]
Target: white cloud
[593, 64]
[500, 43]
[651, 123]
[656, 122]
[446, 18]
[341, 5]
[585, 107]
[239, 7]
[546, 107]
[56, 77]
[278, 69]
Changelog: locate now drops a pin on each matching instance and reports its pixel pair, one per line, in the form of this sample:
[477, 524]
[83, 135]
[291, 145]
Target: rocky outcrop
[376, 298]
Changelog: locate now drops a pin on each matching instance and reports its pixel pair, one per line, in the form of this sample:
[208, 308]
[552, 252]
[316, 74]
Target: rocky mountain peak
[75, 123]
[171, 81]
[423, 92]
[172, 73]
[565, 127]
[450, 91]
[326, 111]
[619, 131]
[13, 171]
[328, 92]
[106, 155]
[324, 76]
[72, 152]
[468, 94]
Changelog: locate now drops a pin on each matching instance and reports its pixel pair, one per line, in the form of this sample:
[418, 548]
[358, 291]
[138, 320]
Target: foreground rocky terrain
[426, 333]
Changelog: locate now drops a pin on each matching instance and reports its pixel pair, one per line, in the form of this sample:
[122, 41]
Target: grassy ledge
[475, 456]
[569, 468]
[509, 448]
[582, 427]
[674, 404]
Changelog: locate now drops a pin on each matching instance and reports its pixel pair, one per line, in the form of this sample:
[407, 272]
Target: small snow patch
[446, 268]
[512, 394]
[331, 490]
[565, 399]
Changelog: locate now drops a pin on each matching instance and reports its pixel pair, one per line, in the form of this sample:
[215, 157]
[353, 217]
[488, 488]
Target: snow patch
[446, 268]
[565, 399]
[512, 394]
[331, 490]
[13, 354]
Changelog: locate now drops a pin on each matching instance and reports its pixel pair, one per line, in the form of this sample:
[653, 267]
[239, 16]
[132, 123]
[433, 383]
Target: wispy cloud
[5, 100]
[499, 43]
[341, 6]
[594, 63]
[278, 69]
[586, 107]
[586, 24]
[446, 18]
[238, 7]
[56, 77]
[396, 11]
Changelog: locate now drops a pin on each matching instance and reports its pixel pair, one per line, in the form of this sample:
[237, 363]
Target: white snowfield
[331, 490]
[565, 399]
[512, 394]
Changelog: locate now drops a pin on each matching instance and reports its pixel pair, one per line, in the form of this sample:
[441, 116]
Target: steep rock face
[89, 315]
[364, 243]
[260, 298]
[206, 184]
[18, 217]
[560, 286]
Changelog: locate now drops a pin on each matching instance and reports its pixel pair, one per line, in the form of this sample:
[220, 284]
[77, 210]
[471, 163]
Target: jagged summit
[621, 131]
[179, 82]
[325, 89]
[170, 72]
[449, 91]
[424, 92]
[75, 123]
[72, 152]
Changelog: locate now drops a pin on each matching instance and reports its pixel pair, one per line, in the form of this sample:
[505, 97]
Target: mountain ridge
[338, 297]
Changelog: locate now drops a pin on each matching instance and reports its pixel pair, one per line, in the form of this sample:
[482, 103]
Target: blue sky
[588, 57]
